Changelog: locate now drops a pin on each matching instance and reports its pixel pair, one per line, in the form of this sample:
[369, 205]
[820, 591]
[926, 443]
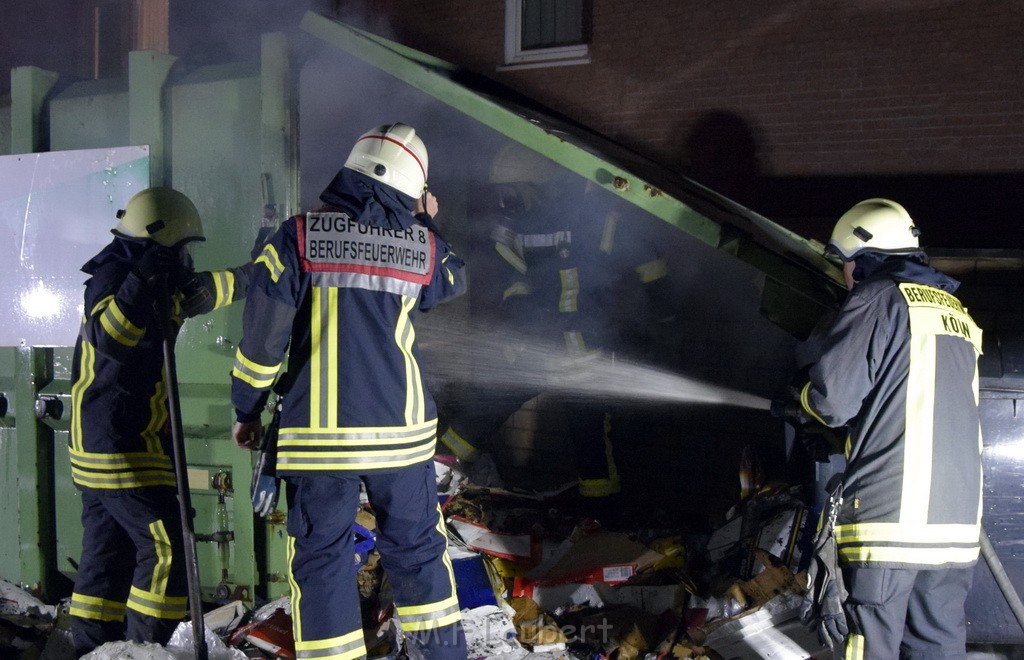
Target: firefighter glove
[822, 607]
[196, 297]
[264, 488]
[156, 262]
[788, 408]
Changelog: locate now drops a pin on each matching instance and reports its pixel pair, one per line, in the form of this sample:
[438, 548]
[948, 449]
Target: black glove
[156, 262]
[786, 407]
[196, 297]
[822, 608]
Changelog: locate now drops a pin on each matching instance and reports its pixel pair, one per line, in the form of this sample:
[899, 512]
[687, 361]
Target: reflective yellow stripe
[273, 262]
[162, 546]
[405, 336]
[119, 327]
[121, 480]
[96, 609]
[513, 258]
[570, 278]
[258, 375]
[516, 289]
[157, 415]
[854, 647]
[343, 647]
[904, 533]
[429, 608]
[918, 433]
[126, 461]
[449, 274]
[357, 435]
[157, 605]
[927, 556]
[599, 487]
[296, 595]
[316, 343]
[652, 271]
[806, 403]
[332, 358]
[574, 343]
[86, 376]
[459, 445]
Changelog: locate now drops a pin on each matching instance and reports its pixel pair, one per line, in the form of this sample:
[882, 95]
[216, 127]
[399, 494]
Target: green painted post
[29, 87]
[147, 73]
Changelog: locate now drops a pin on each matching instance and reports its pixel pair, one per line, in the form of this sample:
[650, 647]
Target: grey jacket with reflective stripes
[899, 366]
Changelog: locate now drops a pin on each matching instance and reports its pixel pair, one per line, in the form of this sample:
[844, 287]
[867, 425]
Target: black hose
[1002, 579]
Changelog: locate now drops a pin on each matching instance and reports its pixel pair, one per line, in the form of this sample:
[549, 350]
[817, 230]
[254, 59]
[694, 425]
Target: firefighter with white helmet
[899, 367]
[337, 289]
[119, 441]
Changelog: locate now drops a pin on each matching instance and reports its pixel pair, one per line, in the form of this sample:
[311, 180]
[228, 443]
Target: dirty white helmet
[162, 215]
[394, 155]
[517, 163]
[874, 225]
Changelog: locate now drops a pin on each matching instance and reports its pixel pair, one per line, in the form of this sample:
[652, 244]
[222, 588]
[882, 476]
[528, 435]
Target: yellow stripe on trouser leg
[97, 609]
[344, 647]
[157, 605]
[164, 558]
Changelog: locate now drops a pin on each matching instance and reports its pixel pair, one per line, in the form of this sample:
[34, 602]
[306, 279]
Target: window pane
[550, 23]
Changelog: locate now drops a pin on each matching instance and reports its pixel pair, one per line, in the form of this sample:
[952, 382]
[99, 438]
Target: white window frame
[517, 58]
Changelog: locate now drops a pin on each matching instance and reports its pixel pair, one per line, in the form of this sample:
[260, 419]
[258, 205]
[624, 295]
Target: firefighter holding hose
[131, 581]
[899, 366]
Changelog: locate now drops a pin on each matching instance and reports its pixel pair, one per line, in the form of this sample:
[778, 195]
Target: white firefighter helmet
[516, 163]
[162, 215]
[874, 225]
[394, 155]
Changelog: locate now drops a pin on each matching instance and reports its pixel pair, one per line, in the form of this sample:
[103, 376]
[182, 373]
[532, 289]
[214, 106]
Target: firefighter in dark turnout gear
[342, 284]
[899, 366]
[551, 273]
[120, 440]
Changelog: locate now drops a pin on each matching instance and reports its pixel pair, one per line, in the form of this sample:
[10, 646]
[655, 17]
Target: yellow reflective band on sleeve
[102, 303]
[224, 288]
[806, 403]
[896, 555]
[273, 263]
[257, 375]
[447, 271]
[96, 609]
[86, 376]
[652, 271]
[854, 647]
[881, 532]
[570, 289]
[119, 327]
[157, 605]
[459, 446]
[512, 257]
[164, 556]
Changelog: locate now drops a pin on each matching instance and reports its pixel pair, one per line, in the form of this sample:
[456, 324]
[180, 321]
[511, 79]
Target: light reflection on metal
[40, 302]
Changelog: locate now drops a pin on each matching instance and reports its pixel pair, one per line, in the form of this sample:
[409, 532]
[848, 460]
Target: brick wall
[822, 88]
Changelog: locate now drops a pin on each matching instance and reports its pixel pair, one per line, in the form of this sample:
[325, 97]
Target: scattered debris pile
[536, 580]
